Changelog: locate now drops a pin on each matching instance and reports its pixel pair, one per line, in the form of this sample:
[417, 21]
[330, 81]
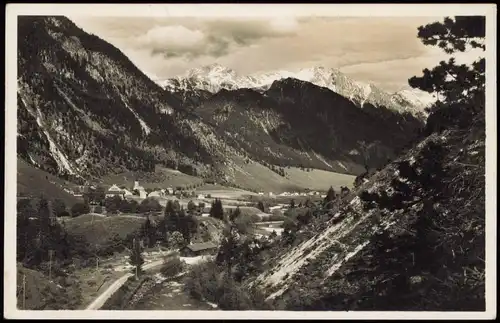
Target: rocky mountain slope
[84, 109]
[296, 123]
[420, 250]
[215, 77]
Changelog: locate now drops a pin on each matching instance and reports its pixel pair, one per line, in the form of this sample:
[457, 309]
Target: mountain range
[85, 111]
[215, 77]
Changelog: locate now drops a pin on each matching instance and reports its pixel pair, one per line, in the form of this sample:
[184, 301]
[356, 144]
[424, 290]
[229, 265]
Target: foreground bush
[207, 281]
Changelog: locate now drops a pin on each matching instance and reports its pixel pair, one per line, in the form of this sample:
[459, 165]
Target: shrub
[172, 266]
[79, 209]
[208, 281]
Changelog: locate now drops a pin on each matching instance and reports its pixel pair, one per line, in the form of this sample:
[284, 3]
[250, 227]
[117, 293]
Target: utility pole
[134, 251]
[24, 291]
[50, 264]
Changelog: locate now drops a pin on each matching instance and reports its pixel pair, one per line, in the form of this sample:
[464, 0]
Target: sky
[378, 50]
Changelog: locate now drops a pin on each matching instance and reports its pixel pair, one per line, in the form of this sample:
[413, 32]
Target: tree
[305, 218]
[59, 208]
[175, 240]
[171, 216]
[227, 254]
[79, 208]
[234, 215]
[292, 204]
[148, 232]
[188, 225]
[25, 230]
[329, 199]
[217, 210]
[261, 206]
[149, 204]
[112, 204]
[136, 258]
[191, 207]
[459, 88]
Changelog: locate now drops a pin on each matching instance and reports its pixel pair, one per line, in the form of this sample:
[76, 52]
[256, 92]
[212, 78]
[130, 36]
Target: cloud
[171, 40]
[381, 50]
[197, 37]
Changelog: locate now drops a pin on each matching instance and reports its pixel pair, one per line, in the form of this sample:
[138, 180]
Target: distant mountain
[215, 77]
[298, 123]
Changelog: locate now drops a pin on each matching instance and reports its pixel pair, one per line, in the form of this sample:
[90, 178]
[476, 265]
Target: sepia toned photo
[250, 158]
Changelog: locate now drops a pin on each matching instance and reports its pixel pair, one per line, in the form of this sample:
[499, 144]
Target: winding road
[104, 296]
[101, 299]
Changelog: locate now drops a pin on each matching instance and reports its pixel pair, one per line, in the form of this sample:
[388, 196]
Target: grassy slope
[256, 176]
[32, 182]
[44, 294]
[161, 178]
[251, 176]
[103, 228]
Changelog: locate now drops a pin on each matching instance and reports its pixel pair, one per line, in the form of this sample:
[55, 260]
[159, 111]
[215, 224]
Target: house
[156, 194]
[115, 191]
[170, 191]
[271, 194]
[261, 193]
[201, 196]
[198, 249]
[127, 193]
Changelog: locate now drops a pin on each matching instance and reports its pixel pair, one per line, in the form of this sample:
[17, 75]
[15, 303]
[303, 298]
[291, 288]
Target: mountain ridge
[215, 77]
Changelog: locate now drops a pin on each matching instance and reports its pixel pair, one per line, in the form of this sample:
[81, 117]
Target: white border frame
[249, 10]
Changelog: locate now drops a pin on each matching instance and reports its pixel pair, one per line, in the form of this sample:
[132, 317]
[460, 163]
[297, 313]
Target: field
[161, 178]
[33, 182]
[99, 230]
[260, 178]
[251, 176]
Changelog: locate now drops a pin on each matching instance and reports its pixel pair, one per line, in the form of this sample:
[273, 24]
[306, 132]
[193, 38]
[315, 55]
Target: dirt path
[171, 296]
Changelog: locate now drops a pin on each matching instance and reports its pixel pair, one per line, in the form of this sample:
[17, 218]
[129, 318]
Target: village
[262, 213]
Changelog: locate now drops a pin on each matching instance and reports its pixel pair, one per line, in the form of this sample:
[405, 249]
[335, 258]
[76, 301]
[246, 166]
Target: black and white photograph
[288, 160]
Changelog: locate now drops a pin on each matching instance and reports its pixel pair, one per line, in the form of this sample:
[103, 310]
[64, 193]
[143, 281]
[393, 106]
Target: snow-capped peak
[215, 77]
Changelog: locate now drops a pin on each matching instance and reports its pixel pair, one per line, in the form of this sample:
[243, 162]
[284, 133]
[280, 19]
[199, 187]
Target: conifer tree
[136, 258]
[459, 87]
[329, 199]
[217, 210]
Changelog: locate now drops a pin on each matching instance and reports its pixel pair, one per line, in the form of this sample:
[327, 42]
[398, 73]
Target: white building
[114, 191]
[271, 194]
[200, 196]
[156, 194]
[170, 191]
[140, 189]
